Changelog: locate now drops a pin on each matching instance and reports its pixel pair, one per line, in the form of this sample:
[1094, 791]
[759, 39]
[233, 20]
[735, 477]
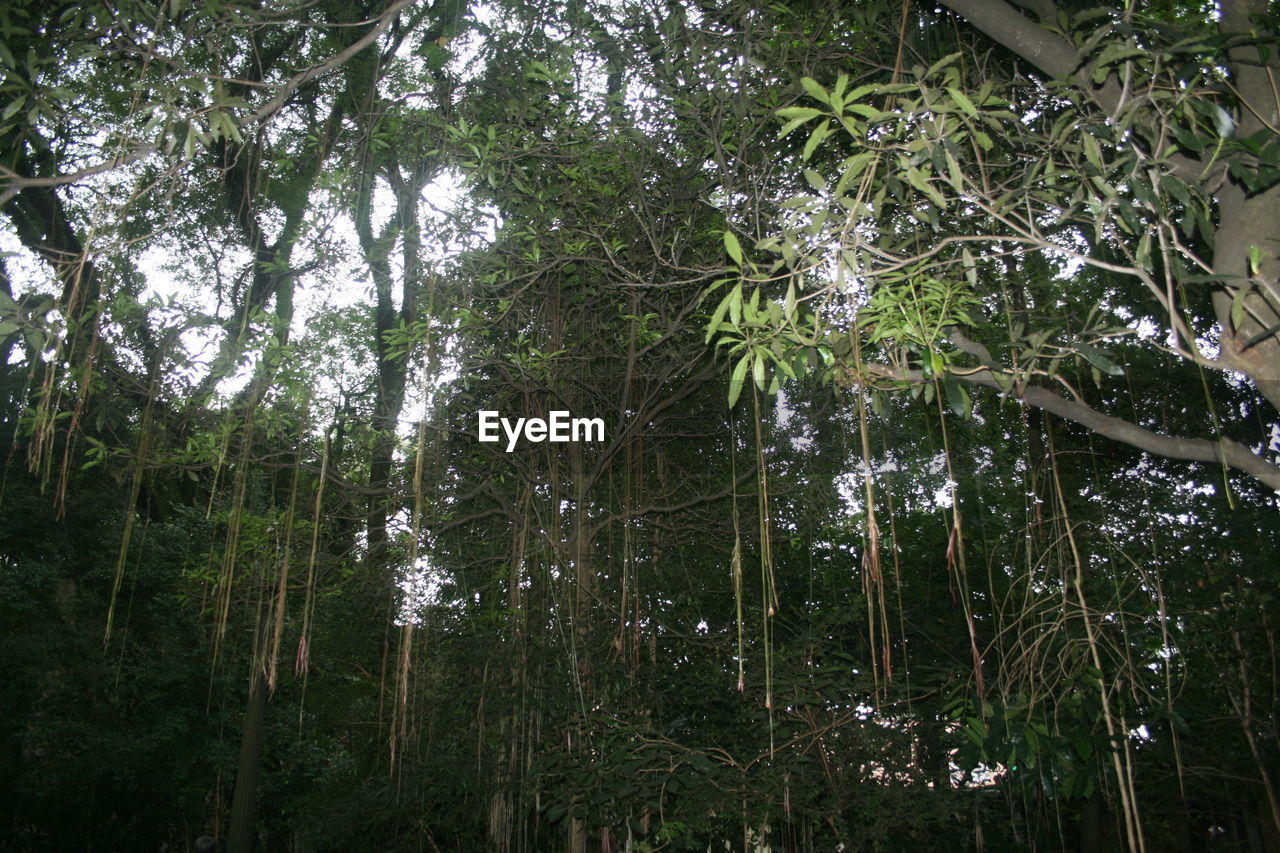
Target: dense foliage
[937, 349]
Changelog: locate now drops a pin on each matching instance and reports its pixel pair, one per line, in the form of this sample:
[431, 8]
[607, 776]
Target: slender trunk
[1090, 826]
[244, 803]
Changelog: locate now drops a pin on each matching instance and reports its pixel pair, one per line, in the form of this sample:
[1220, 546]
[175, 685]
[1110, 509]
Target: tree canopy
[936, 349]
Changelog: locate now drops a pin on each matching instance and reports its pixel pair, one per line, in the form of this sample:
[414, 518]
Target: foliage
[978, 555]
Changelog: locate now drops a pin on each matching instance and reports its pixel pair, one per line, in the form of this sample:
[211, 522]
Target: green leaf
[1091, 151]
[799, 112]
[14, 107]
[1237, 306]
[791, 126]
[921, 183]
[936, 363]
[717, 318]
[852, 169]
[784, 368]
[738, 377]
[732, 246]
[1098, 360]
[957, 397]
[962, 101]
[1144, 249]
[955, 176]
[841, 82]
[820, 133]
[866, 111]
[735, 305]
[942, 63]
[859, 92]
[1175, 188]
[815, 90]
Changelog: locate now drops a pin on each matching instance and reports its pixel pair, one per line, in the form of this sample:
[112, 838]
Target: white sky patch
[849, 487]
[27, 274]
[928, 486]
[451, 224]
[1147, 329]
[467, 61]
[420, 588]
[801, 437]
[23, 267]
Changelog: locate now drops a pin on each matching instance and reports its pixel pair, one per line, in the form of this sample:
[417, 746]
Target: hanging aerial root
[286, 558]
[135, 489]
[303, 658]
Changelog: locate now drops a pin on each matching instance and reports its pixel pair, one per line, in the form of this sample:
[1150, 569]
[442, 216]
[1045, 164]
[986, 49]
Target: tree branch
[1044, 9]
[13, 183]
[1048, 51]
[1222, 451]
[1060, 60]
[264, 112]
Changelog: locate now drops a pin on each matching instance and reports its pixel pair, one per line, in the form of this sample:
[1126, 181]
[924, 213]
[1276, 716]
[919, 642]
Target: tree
[902, 592]
[1139, 154]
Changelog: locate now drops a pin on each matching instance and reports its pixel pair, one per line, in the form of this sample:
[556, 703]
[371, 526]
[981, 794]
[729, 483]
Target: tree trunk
[1090, 826]
[1248, 224]
[243, 805]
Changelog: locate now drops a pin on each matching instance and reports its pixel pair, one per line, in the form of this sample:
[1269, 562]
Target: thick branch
[1059, 59]
[1253, 65]
[13, 182]
[1044, 9]
[264, 112]
[1048, 51]
[1224, 450]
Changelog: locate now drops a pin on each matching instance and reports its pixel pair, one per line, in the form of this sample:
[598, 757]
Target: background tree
[863, 293]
